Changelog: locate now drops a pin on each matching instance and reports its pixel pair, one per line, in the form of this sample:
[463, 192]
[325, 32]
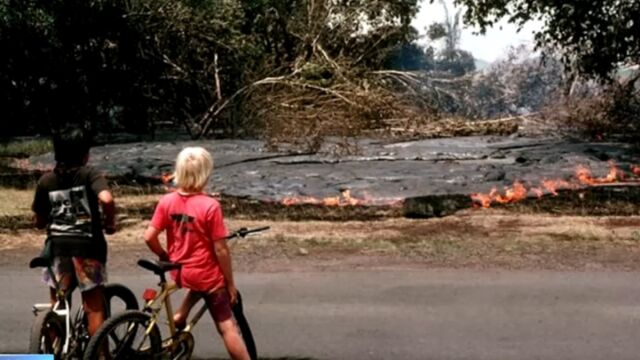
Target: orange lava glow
[344, 199]
[582, 178]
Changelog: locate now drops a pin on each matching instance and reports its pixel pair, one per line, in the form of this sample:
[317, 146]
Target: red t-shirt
[193, 222]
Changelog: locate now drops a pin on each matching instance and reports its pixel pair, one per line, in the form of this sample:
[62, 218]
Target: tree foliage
[451, 58]
[595, 36]
[129, 65]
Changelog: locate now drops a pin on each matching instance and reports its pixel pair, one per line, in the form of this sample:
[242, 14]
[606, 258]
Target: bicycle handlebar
[243, 232]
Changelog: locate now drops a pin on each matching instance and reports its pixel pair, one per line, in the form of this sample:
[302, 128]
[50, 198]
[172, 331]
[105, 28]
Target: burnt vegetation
[298, 71]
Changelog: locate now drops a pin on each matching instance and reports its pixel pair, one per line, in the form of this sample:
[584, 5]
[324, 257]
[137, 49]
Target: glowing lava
[344, 199]
[583, 178]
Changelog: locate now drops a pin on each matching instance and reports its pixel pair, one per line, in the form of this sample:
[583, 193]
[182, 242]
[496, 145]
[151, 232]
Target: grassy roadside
[25, 148]
[470, 238]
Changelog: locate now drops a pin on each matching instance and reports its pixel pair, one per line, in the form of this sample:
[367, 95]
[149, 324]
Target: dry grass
[15, 202]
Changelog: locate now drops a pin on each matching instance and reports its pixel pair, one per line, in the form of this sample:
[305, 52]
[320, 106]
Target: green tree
[595, 36]
[451, 58]
[128, 65]
[117, 65]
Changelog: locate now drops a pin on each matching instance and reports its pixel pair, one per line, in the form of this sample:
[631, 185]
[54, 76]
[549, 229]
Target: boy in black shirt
[67, 203]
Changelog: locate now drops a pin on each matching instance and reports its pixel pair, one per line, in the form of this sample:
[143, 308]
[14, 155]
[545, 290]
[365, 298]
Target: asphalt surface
[435, 314]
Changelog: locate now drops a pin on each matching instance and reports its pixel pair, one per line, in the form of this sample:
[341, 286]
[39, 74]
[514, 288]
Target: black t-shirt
[68, 199]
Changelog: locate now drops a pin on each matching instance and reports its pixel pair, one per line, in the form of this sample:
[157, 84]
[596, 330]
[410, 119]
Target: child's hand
[164, 256]
[233, 294]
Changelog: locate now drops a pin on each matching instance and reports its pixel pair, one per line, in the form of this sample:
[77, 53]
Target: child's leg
[232, 339]
[93, 303]
[91, 275]
[180, 316]
[63, 270]
[220, 310]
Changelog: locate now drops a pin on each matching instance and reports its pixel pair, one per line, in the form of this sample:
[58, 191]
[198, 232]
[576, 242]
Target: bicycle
[53, 323]
[136, 335]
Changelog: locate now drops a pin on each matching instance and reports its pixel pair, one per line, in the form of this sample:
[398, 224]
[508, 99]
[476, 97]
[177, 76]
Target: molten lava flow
[167, 178]
[512, 194]
[552, 186]
[344, 199]
[484, 200]
[167, 181]
[537, 192]
[515, 193]
[583, 177]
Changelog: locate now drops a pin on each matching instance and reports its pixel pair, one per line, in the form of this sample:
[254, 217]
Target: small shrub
[611, 111]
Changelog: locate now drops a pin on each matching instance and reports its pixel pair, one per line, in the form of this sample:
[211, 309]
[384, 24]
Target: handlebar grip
[258, 229]
[242, 232]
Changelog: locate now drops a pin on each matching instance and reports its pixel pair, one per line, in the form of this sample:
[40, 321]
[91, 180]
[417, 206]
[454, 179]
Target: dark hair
[71, 146]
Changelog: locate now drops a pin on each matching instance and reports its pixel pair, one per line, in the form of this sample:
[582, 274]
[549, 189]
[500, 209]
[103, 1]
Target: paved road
[440, 314]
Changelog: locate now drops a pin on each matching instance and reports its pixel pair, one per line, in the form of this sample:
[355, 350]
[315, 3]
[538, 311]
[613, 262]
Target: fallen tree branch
[217, 107]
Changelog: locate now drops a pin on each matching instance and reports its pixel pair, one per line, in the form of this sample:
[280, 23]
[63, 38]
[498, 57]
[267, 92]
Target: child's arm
[100, 186]
[109, 211]
[41, 206]
[224, 259]
[151, 238]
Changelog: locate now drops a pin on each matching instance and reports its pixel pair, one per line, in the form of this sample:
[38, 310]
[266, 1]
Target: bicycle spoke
[124, 344]
[50, 340]
[129, 340]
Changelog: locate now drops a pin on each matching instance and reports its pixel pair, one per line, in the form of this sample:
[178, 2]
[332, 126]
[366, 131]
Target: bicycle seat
[39, 261]
[158, 267]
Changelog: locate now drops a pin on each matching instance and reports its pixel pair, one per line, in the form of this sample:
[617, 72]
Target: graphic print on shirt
[183, 222]
[70, 212]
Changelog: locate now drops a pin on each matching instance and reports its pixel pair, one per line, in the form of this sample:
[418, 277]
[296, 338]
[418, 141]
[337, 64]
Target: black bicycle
[135, 334]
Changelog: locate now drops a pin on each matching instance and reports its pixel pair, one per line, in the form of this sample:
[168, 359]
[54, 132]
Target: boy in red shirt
[196, 239]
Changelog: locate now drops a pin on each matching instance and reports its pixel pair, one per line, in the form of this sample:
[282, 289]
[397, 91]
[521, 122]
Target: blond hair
[193, 168]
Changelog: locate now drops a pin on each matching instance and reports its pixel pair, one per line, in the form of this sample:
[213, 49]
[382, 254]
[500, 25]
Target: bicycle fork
[61, 299]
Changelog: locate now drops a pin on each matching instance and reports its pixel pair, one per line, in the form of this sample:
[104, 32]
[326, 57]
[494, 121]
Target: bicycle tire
[245, 329]
[111, 291]
[122, 292]
[47, 321]
[107, 329]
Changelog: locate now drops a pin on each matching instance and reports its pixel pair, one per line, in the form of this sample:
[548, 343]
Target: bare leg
[220, 311]
[180, 316]
[93, 302]
[66, 284]
[232, 339]
[53, 296]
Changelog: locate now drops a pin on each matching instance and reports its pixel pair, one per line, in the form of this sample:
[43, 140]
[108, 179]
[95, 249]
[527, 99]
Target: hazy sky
[488, 47]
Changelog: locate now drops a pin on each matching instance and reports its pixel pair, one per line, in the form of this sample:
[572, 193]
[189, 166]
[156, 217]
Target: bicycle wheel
[118, 298]
[245, 330]
[47, 334]
[125, 336]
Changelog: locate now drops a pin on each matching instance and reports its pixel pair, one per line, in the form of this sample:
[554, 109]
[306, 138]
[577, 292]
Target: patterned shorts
[85, 273]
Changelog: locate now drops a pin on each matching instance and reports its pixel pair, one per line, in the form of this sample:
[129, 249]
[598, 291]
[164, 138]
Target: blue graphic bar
[26, 357]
